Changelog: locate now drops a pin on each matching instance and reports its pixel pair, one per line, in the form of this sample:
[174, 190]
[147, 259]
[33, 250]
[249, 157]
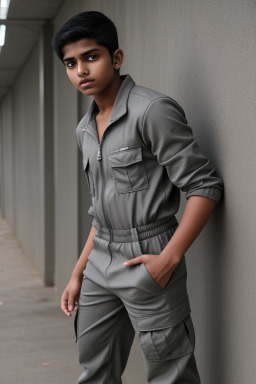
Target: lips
[85, 82]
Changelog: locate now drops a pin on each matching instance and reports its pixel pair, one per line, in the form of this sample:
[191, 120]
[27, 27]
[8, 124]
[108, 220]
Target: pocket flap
[125, 157]
[165, 319]
[170, 342]
[85, 162]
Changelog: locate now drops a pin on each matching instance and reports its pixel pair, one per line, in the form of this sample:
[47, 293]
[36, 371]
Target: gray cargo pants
[116, 300]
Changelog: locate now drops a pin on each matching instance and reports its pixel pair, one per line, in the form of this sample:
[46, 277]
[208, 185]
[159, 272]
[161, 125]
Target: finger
[64, 304]
[76, 305]
[66, 311]
[136, 260]
[71, 303]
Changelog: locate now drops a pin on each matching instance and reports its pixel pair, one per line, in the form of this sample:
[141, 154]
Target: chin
[87, 92]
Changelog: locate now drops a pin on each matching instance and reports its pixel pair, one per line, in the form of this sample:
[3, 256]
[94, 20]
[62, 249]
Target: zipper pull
[99, 154]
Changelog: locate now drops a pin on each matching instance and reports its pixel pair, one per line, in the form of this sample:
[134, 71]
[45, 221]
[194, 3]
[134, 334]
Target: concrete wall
[7, 161]
[201, 53]
[26, 152]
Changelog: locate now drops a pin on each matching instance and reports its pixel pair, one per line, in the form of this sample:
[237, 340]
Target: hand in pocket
[159, 266]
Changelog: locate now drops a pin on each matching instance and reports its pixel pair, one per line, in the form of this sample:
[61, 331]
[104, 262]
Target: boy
[138, 152]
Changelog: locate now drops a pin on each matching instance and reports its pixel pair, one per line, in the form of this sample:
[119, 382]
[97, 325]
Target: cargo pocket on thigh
[166, 341]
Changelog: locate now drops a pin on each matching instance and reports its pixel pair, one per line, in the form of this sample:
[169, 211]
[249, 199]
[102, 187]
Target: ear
[118, 57]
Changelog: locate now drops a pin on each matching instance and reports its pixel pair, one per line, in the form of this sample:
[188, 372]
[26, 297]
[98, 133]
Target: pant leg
[160, 316]
[103, 328]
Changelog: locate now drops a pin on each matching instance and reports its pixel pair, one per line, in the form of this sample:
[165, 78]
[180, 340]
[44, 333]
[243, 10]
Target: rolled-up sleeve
[170, 138]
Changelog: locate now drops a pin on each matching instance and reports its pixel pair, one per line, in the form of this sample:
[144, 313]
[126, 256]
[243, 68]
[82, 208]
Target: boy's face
[89, 66]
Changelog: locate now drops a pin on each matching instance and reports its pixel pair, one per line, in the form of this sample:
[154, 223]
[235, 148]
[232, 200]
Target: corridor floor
[36, 338]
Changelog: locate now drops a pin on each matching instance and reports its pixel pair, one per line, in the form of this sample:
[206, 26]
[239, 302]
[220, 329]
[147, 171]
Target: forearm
[196, 214]
[82, 261]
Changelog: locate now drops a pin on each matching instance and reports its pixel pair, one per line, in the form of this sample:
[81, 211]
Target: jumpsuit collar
[120, 104]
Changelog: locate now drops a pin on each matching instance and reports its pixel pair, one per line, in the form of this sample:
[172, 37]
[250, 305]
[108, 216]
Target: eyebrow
[82, 54]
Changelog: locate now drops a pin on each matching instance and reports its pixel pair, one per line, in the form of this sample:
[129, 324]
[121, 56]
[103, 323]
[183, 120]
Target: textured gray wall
[201, 53]
[7, 159]
[27, 178]
[28, 223]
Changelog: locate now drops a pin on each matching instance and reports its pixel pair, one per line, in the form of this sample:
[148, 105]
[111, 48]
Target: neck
[105, 101]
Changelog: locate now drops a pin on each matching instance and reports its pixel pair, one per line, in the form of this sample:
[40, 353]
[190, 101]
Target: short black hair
[90, 24]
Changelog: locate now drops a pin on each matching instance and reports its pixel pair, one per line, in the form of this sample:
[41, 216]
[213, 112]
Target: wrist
[77, 276]
[171, 256]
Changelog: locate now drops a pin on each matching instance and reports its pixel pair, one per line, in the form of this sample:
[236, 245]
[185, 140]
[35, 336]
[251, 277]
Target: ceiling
[23, 25]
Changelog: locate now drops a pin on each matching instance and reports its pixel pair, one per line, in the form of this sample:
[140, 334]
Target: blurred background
[202, 53]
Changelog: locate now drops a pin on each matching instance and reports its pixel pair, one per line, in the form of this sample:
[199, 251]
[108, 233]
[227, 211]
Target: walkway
[36, 339]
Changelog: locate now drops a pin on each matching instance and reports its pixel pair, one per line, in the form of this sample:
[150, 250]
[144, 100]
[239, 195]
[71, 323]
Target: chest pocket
[89, 175]
[128, 169]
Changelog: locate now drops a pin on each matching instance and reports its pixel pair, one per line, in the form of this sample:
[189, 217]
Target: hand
[71, 295]
[159, 267]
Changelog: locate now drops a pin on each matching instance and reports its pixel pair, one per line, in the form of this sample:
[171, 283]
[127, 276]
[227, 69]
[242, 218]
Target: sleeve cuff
[211, 193]
[94, 222]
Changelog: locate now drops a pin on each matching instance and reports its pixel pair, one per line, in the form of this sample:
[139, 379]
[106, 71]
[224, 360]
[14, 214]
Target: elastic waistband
[137, 233]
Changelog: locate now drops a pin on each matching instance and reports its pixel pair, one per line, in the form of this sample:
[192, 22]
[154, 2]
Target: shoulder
[85, 119]
[79, 131]
[82, 125]
[151, 100]
[83, 122]
[146, 93]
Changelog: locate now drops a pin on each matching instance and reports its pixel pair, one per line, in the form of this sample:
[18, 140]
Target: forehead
[75, 48]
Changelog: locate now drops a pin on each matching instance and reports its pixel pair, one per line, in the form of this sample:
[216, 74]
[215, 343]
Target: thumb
[136, 260]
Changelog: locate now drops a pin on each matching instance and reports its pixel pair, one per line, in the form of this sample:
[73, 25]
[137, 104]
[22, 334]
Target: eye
[92, 57]
[70, 64]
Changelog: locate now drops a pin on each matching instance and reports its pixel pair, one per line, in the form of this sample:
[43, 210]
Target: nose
[82, 69]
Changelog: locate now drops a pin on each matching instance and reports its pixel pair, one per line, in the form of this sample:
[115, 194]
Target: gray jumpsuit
[146, 156]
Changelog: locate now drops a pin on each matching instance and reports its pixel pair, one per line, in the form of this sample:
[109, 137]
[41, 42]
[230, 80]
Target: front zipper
[99, 153]
[99, 157]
